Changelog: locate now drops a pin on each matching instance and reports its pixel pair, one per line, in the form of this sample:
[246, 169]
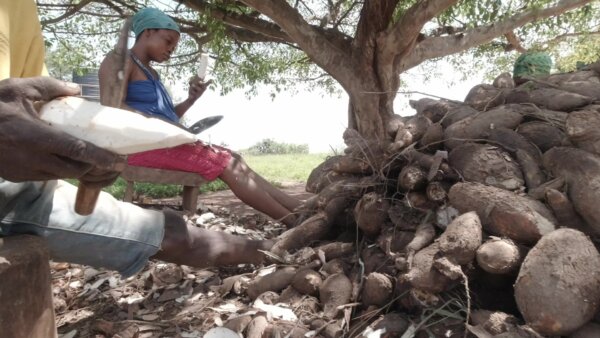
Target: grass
[277, 169]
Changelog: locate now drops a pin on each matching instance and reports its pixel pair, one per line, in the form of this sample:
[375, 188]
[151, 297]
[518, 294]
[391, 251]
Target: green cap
[152, 18]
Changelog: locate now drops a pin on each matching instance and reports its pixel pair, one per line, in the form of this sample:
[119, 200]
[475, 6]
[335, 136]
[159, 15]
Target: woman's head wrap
[152, 18]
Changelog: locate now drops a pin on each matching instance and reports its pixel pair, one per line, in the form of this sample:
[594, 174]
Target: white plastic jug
[121, 131]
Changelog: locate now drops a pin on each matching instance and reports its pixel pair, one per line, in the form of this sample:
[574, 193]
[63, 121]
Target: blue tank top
[150, 96]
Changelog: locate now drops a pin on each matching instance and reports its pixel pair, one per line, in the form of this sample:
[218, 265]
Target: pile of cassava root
[479, 219]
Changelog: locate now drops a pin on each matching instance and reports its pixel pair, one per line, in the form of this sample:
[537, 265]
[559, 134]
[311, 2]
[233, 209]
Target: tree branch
[513, 43]
[314, 43]
[269, 30]
[403, 34]
[441, 46]
[72, 10]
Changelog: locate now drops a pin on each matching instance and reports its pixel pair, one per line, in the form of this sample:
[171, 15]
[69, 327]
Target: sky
[306, 117]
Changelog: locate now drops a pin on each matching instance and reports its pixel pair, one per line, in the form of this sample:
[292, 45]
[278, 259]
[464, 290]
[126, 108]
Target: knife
[204, 124]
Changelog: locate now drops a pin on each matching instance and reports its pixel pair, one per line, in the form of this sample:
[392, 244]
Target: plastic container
[121, 131]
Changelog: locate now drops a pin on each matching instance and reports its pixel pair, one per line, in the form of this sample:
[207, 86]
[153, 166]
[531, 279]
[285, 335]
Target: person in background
[117, 235]
[157, 36]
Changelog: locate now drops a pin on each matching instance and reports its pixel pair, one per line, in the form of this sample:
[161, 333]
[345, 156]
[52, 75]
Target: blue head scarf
[152, 18]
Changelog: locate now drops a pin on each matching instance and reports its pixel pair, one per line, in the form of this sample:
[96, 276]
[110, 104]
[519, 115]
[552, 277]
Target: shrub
[270, 146]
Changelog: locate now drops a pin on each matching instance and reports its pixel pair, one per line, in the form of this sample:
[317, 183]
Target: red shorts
[207, 161]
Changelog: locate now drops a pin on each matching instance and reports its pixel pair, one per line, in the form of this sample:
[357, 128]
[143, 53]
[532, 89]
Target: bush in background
[271, 147]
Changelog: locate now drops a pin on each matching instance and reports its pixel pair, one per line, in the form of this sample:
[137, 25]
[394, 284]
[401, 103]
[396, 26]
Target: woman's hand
[31, 150]
[197, 88]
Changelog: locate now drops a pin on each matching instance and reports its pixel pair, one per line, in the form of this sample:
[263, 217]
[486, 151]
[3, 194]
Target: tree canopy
[364, 46]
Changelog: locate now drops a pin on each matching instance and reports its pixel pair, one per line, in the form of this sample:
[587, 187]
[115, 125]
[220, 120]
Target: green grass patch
[285, 167]
[276, 169]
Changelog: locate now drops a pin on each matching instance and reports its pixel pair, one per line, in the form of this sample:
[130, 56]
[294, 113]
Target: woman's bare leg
[255, 191]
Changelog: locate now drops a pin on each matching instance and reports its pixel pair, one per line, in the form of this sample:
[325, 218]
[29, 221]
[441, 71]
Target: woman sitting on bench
[157, 36]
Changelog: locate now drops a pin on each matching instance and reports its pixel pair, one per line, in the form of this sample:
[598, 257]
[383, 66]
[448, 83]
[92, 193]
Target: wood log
[371, 213]
[484, 97]
[582, 129]
[580, 170]
[542, 134]
[479, 126]
[547, 97]
[504, 213]
[486, 164]
[558, 287]
[411, 178]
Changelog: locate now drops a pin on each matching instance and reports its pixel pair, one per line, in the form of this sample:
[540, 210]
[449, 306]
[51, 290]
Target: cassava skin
[486, 164]
[551, 98]
[371, 213]
[307, 282]
[558, 287]
[580, 170]
[461, 238]
[479, 126]
[503, 213]
[275, 281]
[335, 291]
[544, 135]
[583, 129]
[377, 289]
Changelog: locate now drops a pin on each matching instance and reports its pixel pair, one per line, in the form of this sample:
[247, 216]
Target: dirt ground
[163, 300]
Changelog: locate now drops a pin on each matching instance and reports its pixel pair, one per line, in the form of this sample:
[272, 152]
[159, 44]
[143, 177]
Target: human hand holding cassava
[197, 87]
[31, 150]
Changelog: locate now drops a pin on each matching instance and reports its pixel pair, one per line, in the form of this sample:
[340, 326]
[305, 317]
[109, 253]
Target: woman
[157, 36]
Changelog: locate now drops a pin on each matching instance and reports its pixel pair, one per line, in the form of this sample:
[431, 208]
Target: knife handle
[85, 201]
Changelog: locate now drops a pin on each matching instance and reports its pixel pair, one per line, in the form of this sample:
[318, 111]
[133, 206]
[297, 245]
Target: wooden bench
[191, 183]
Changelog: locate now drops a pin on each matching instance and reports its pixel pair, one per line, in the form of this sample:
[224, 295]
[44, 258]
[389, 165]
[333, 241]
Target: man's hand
[31, 150]
[197, 88]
